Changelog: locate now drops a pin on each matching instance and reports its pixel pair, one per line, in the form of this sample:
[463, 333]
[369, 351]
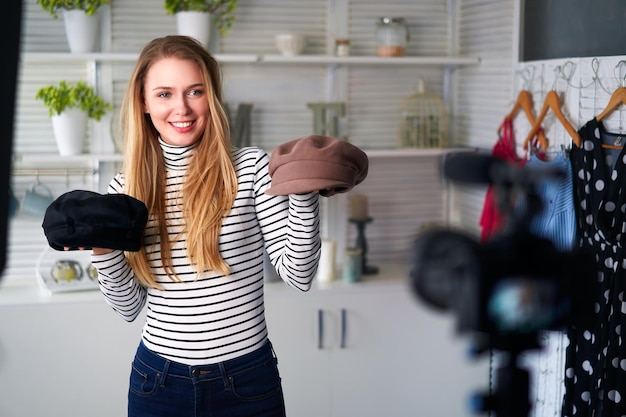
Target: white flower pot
[81, 30]
[70, 129]
[194, 24]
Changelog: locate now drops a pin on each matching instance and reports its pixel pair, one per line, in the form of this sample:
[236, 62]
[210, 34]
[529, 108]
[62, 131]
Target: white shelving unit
[100, 69]
[445, 62]
[280, 88]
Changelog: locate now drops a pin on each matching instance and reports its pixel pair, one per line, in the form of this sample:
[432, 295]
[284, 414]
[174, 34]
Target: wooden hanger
[552, 102]
[525, 102]
[617, 98]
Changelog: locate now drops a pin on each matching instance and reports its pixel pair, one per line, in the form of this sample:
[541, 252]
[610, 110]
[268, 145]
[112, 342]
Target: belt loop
[166, 370]
[224, 375]
[273, 351]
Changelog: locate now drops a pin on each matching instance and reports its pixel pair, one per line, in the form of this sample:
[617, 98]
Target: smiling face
[175, 98]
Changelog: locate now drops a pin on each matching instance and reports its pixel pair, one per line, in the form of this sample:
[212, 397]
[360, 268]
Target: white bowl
[290, 43]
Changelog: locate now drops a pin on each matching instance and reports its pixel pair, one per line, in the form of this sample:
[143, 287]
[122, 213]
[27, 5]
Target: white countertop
[392, 276]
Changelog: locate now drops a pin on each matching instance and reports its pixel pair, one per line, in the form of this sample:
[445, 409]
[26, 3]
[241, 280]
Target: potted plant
[81, 21]
[193, 17]
[70, 106]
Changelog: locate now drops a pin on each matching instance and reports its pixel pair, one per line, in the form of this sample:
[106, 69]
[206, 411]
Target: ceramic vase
[194, 24]
[81, 30]
[70, 129]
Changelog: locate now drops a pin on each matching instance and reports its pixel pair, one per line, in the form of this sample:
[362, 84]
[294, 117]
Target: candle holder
[361, 243]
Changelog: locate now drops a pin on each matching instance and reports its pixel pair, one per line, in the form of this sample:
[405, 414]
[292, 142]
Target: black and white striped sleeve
[117, 282]
[290, 227]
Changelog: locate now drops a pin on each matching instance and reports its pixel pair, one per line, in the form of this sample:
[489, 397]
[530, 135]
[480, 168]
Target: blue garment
[249, 385]
[556, 221]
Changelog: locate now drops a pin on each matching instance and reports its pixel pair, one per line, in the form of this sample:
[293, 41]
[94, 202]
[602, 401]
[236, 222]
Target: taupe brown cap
[315, 163]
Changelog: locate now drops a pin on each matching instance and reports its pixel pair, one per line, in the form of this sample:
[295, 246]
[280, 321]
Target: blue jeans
[246, 386]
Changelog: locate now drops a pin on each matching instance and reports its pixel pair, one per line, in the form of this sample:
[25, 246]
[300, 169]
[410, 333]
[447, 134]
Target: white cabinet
[69, 356]
[400, 359]
[379, 352]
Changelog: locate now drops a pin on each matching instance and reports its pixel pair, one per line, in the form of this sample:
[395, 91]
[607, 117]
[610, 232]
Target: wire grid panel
[584, 87]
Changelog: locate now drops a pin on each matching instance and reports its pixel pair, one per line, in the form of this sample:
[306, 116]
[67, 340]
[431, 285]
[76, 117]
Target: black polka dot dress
[595, 364]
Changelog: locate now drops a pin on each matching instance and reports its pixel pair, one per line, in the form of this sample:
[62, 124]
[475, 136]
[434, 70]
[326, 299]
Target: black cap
[87, 219]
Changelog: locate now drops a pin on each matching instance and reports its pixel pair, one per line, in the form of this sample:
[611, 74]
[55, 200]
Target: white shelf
[369, 60]
[67, 56]
[278, 59]
[412, 152]
[390, 277]
[87, 157]
[237, 58]
[121, 57]
[371, 153]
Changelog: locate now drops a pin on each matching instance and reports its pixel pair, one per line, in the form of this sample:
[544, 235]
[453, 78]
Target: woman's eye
[195, 92]
[163, 94]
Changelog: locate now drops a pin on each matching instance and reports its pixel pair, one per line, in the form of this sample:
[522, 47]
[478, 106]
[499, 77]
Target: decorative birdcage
[423, 120]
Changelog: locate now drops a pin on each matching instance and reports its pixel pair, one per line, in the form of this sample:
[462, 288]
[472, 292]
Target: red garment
[492, 219]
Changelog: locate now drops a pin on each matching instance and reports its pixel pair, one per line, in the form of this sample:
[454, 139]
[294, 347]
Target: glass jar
[342, 47]
[392, 36]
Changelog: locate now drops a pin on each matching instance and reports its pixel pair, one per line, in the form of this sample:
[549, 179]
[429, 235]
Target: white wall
[483, 93]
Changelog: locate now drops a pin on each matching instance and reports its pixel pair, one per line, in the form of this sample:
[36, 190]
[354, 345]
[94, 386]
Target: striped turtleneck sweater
[211, 317]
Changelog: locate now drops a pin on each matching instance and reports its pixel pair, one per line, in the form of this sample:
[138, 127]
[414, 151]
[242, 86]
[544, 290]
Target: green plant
[89, 6]
[58, 98]
[223, 11]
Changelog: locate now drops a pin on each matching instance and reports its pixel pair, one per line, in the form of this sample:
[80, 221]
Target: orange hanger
[525, 102]
[552, 102]
[618, 97]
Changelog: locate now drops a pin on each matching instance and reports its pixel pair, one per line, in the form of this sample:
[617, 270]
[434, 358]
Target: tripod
[511, 395]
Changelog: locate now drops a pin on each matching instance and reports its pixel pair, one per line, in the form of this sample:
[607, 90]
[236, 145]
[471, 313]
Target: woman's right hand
[100, 251]
[95, 251]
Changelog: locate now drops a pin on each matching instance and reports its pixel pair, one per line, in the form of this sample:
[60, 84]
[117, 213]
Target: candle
[358, 207]
[326, 267]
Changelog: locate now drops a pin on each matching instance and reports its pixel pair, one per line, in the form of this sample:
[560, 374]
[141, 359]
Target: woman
[204, 348]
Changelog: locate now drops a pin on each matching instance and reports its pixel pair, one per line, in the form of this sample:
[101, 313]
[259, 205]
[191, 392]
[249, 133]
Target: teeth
[181, 124]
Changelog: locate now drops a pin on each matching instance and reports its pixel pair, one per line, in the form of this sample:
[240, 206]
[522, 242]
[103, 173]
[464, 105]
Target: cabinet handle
[320, 328]
[344, 324]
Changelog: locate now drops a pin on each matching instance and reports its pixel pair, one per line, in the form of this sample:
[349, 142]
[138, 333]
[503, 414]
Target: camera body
[507, 289]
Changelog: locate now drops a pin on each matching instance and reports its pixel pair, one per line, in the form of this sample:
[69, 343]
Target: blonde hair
[210, 185]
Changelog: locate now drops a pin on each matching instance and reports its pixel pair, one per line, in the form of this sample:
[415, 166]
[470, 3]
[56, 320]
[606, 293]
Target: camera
[508, 289]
